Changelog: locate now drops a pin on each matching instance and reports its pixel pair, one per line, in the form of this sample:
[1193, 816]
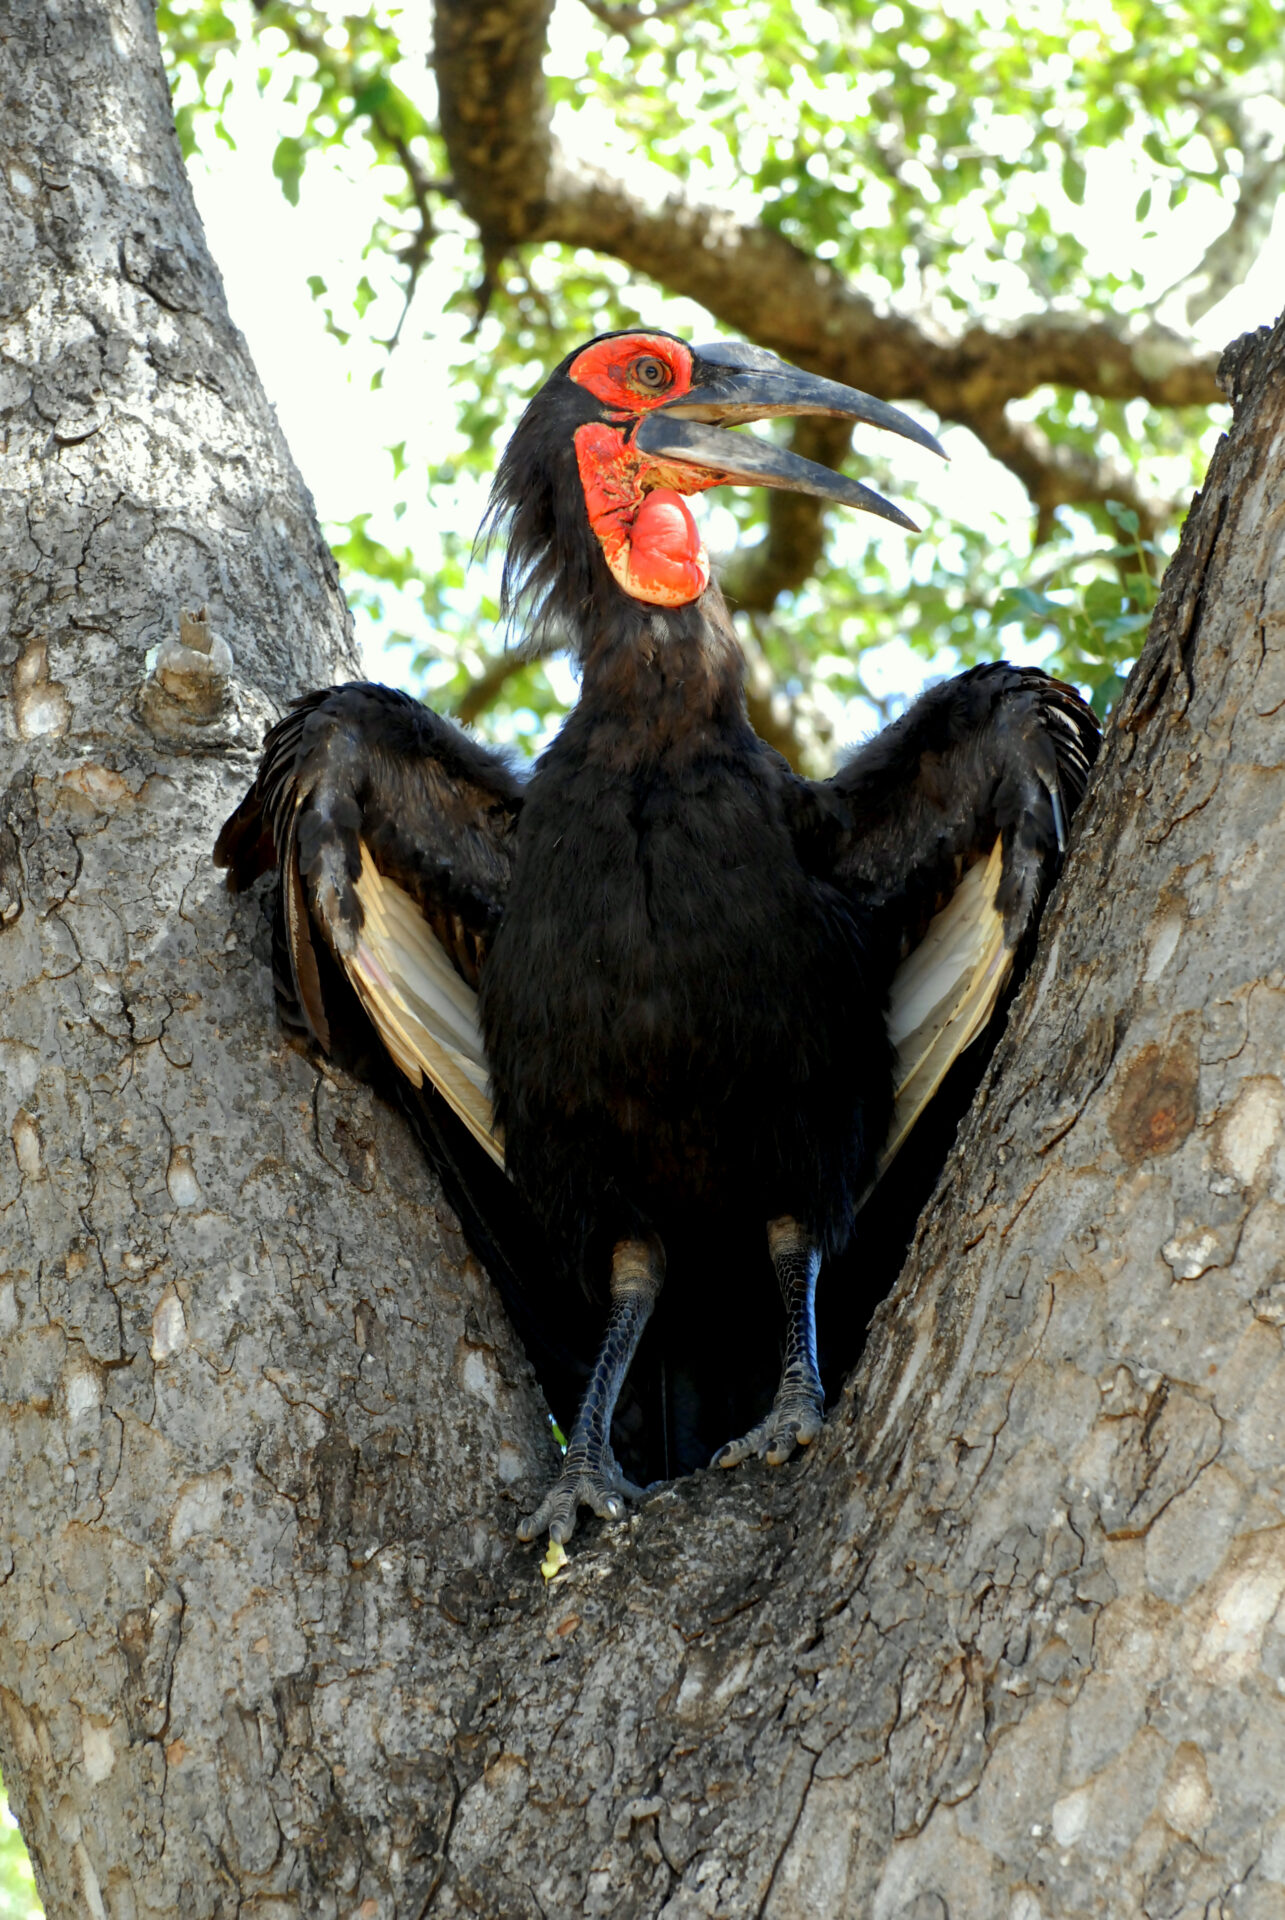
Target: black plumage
[686, 954]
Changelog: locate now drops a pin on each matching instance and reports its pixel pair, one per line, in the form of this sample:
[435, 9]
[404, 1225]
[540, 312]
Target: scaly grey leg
[590, 1476]
[799, 1406]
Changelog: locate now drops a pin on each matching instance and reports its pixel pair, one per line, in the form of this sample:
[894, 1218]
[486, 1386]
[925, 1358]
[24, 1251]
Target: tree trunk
[1004, 1644]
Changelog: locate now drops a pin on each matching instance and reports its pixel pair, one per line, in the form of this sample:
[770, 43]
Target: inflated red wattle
[665, 552]
[649, 540]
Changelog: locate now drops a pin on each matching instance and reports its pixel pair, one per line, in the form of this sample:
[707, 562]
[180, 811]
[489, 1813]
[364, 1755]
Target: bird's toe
[602, 1489]
[794, 1423]
[799, 1430]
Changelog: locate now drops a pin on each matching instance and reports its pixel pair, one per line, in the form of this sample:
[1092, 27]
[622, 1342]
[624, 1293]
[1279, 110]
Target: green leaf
[374, 95]
[287, 165]
[1106, 693]
[1105, 600]
[1026, 600]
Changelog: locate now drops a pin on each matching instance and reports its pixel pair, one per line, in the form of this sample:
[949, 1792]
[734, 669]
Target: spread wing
[951, 826]
[391, 833]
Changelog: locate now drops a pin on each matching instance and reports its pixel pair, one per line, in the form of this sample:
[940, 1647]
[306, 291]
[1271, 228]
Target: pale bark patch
[41, 706]
[83, 1392]
[91, 1891]
[199, 1508]
[102, 785]
[169, 1326]
[1186, 1801]
[1251, 1129]
[478, 1375]
[26, 1143]
[180, 1178]
[1231, 1644]
[1164, 943]
[1190, 1539]
[98, 1750]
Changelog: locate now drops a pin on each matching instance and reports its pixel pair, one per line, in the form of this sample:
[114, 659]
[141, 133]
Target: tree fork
[1002, 1643]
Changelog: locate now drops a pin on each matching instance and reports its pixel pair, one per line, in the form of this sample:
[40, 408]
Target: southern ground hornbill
[675, 990]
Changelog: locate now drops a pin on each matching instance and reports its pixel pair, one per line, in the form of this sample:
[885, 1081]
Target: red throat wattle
[648, 536]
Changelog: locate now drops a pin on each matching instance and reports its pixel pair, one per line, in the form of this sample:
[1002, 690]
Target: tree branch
[626, 20]
[495, 113]
[1228, 258]
[761, 284]
[755, 577]
[1061, 476]
[485, 688]
[416, 253]
[795, 724]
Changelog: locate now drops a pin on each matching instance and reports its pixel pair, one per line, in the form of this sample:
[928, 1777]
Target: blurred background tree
[1025, 223]
[17, 1882]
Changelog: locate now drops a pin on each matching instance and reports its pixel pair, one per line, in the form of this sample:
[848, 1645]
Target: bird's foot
[580, 1484]
[794, 1421]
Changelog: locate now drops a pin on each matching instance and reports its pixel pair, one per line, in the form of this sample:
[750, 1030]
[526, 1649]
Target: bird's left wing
[391, 833]
[950, 827]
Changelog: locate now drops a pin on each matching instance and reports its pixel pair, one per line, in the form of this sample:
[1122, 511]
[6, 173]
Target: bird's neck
[663, 677]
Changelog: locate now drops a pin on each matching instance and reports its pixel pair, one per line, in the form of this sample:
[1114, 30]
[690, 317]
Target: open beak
[733, 383]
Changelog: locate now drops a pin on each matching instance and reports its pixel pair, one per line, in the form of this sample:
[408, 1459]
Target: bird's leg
[590, 1476]
[799, 1407]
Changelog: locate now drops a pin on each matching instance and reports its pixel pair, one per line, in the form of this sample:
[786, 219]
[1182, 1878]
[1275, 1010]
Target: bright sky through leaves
[299, 276]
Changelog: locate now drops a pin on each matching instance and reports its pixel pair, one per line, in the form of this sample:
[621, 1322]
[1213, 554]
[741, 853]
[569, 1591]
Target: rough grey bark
[1008, 1642]
[256, 1397]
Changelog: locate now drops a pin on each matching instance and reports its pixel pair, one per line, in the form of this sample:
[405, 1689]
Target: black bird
[668, 984]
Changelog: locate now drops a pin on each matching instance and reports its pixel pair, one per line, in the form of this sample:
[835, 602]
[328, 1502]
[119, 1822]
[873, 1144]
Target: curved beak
[732, 383]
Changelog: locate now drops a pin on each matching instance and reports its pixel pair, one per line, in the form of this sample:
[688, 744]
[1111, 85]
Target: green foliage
[1099, 625]
[951, 159]
[17, 1882]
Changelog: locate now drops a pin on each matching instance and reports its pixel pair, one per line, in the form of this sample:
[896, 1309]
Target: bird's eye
[650, 374]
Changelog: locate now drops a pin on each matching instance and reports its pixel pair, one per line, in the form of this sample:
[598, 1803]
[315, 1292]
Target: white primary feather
[423, 1012]
[944, 992]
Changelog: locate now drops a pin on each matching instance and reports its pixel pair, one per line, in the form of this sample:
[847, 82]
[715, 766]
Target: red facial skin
[606, 367]
[635, 507]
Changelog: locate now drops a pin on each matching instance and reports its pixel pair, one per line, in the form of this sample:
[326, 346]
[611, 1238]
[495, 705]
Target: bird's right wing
[391, 833]
[951, 825]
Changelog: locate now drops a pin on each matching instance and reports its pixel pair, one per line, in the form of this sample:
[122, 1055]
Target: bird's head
[591, 486]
